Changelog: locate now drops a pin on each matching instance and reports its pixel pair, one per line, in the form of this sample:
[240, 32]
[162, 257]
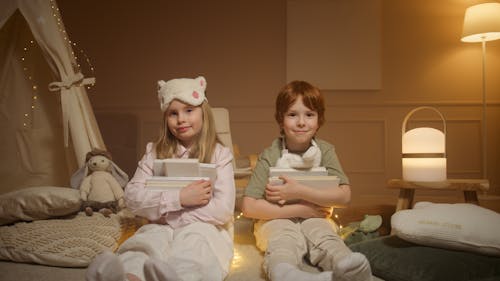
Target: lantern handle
[403, 129]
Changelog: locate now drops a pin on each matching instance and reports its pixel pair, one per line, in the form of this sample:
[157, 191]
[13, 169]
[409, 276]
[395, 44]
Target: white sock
[157, 270]
[354, 267]
[105, 267]
[288, 272]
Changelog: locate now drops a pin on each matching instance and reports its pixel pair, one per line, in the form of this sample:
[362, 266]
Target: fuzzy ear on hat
[190, 91]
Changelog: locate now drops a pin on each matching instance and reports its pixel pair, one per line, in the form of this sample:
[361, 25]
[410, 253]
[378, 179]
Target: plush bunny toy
[101, 184]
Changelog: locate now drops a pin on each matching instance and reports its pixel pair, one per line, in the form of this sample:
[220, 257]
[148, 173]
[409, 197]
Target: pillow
[461, 226]
[394, 259]
[36, 203]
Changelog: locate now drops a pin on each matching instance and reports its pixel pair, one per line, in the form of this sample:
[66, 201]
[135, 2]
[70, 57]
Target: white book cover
[159, 168]
[208, 170]
[316, 171]
[166, 183]
[181, 167]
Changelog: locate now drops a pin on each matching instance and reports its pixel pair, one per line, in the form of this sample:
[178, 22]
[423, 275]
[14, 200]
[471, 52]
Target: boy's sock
[105, 267]
[354, 267]
[156, 270]
[288, 272]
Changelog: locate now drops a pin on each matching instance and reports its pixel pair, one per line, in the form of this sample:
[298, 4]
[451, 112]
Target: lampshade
[482, 23]
[424, 151]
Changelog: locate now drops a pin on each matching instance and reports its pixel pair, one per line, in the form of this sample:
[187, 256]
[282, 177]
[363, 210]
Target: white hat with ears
[190, 91]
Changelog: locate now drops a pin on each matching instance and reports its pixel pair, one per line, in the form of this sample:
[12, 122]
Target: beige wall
[240, 47]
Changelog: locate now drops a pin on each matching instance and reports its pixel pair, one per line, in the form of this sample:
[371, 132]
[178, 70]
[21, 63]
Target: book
[175, 173]
[159, 168]
[309, 180]
[181, 167]
[161, 183]
[316, 171]
[208, 170]
[312, 181]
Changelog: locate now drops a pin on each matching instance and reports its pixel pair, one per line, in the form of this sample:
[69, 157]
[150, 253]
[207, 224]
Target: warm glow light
[424, 152]
[424, 169]
[482, 23]
[237, 259]
[423, 140]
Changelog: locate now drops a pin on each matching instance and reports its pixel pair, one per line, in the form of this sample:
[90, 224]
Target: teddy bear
[101, 184]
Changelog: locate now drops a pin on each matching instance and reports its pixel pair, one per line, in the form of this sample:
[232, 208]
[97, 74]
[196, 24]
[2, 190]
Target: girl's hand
[196, 194]
[309, 210]
[288, 191]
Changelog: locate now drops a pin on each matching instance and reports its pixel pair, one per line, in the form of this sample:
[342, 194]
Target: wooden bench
[470, 187]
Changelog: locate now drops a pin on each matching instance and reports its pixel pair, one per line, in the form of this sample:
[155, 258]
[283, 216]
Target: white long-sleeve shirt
[164, 207]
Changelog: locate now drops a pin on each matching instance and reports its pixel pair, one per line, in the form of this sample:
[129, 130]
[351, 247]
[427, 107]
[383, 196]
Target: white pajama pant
[290, 240]
[198, 251]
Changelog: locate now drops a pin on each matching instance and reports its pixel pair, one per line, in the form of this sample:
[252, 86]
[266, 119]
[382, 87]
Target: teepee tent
[46, 119]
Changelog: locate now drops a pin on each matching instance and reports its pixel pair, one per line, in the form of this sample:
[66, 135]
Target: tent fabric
[61, 122]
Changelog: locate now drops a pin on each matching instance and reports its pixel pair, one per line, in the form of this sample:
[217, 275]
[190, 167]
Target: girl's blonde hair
[204, 146]
[311, 97]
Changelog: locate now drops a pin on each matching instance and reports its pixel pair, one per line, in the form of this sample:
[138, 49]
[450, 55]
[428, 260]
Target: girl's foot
[105, 267]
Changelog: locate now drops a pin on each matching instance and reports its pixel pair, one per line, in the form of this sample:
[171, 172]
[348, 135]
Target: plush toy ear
[202, 81]
[78, 176]
[160, 84]
[119, 174]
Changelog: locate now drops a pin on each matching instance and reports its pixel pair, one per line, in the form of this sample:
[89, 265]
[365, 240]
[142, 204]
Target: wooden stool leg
[471, 197]
[405, 199]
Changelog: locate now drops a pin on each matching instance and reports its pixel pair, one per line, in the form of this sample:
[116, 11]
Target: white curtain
[20, 116]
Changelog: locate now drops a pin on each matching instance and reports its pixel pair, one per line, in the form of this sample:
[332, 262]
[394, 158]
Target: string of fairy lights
[27, 121]
[29, 71]
[57, 15]
[335, 218]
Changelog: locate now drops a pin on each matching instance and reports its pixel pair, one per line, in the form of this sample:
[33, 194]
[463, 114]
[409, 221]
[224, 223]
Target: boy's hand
[289, 190]
[196, 194]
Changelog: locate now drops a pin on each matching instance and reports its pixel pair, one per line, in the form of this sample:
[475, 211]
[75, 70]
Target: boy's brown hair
[311, 97]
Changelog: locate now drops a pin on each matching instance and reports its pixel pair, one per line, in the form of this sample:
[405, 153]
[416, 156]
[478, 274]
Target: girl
[188, 237]
[288, 233]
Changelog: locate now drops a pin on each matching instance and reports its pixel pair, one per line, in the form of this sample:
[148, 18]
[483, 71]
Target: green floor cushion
[394, 259]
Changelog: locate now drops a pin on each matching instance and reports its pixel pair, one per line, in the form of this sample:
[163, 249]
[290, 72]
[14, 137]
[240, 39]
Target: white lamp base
[424, 169]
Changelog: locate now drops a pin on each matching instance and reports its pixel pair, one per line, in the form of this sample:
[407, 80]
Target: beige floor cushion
[460, 226]
[69, 242]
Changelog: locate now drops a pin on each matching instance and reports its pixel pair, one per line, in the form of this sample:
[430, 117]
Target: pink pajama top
[164, 207]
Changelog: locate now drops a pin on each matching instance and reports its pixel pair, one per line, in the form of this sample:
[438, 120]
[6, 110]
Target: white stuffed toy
[309, 159]
[101, 184]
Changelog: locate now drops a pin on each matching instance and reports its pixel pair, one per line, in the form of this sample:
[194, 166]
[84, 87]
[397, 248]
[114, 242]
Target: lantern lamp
[424, 151]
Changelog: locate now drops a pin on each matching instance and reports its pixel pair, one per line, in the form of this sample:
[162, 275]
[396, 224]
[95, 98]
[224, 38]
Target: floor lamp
[481, 24]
